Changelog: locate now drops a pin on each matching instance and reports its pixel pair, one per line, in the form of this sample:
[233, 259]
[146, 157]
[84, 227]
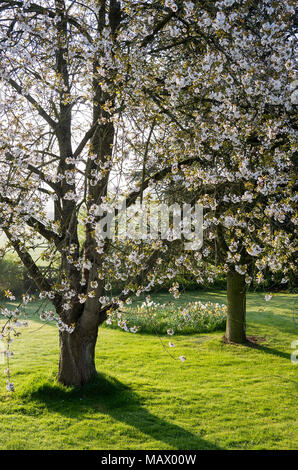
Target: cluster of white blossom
[184, 100]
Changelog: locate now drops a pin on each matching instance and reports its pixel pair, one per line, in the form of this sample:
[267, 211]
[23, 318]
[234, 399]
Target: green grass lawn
[221, 397]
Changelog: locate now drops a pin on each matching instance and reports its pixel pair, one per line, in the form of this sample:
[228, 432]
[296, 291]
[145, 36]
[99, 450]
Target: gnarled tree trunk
[77, 356]
[236, 317]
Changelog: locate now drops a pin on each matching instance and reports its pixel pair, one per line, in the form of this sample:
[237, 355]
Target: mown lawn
[221, 397]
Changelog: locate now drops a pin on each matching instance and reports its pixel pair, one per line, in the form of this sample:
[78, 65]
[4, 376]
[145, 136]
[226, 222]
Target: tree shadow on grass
[273, 352]
[106, 395]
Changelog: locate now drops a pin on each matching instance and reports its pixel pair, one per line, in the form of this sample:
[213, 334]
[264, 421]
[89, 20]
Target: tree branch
[38, 172]
[157, 28]
[84, 141]
[34, 8]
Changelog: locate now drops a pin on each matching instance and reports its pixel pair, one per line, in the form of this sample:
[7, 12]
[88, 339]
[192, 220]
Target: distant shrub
[11, 277]
[193, 317]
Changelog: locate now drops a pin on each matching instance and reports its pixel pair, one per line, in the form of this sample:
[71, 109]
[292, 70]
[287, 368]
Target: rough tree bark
[236, 317]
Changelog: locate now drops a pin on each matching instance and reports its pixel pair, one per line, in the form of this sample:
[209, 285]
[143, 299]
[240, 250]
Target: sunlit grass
[221, 397]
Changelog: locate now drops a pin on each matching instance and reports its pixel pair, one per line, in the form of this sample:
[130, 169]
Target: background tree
[232, 110]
